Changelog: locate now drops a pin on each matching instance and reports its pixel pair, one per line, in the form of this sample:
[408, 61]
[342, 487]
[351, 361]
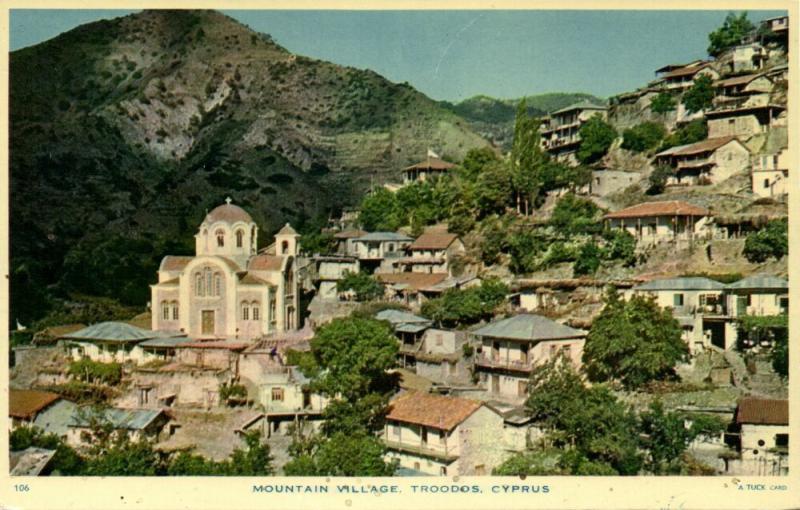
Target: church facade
[229, 290]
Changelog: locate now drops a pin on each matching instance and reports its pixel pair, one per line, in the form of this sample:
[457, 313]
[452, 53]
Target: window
[443, 471]
[253, 238]
[174, 310]
[285, 247]
[165, 310]
[272, 311]
[567, 350]
[277, 394]
[256, 311]
[761, 442]
[424, 433]
[782, 440]
[439, 339]
[208, 280]
[220, 238]
[766, 183]
[677, 300]
[442, 436]
[480, 469]
[198, 284]
[217, 284]
[245, 312]
[239, 238]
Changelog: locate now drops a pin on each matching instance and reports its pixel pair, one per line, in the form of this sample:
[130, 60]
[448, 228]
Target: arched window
[245, 311]
[208, 281]
[256, 311]
[272, 311]
[217, 284]
[290, 282]
[253, 238]
[165, 310]
[285, 247]
[220, 238]
[198, 284]
[239, 238]
[174, 310]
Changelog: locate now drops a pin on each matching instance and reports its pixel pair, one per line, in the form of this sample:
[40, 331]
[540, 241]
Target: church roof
[265, 263]
[249, 279]
[287, 230]
[174, 263]
[228, 213]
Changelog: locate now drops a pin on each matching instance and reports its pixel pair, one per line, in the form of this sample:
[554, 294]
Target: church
[229, 290]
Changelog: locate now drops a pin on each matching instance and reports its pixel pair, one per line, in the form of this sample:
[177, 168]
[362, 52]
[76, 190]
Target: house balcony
[501, 364]
[421, 450]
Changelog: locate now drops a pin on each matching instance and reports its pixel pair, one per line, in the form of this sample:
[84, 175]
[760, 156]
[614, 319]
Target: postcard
[451, 255]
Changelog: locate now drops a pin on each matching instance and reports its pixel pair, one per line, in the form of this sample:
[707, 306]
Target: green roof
[384, 236]
[130, 419]
[116, 332]
[761, 282]
[685, 283]
[165, 342]
[56, 418]
[528, 327]
[400, 317]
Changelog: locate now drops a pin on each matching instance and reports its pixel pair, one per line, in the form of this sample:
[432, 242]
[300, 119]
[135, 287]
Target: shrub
[597, 135]
[643, 137]
[662, 103]
[90, 371]
[658, 179]
[588, 260]
[771, 241]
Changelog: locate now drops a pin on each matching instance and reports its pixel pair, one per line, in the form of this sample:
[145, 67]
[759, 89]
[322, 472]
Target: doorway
[207, 321]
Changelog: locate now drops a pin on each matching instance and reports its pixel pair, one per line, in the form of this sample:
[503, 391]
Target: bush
[588, 260]
[643, 137]
[695, 131]
[597, 135]
[574, 215]
[771, 241]
[232, 392]
[700, 96]
[89, 371]
[658, 179]
[364, 286]
[620, 246]
[662, 103]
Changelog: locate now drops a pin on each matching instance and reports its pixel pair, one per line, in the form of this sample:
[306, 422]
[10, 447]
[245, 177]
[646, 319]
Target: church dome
[228, 213]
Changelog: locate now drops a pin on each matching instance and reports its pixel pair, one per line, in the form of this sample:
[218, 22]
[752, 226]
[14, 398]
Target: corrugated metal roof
[130, 419]
[384, 236]
[56, 418]
[583, 105]
[685, 283]
[30, 461]
[399, 316]
[114, 332]
[528, 327]
[761, 282]
[165, 342]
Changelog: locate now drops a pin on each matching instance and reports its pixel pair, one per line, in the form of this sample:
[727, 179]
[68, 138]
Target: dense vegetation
[643, 137]
[700, 95]
[730, 34]
[460, 307]
[597, 135]
[771, 241]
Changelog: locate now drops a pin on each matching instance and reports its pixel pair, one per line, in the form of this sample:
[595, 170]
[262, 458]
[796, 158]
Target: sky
[453, 55]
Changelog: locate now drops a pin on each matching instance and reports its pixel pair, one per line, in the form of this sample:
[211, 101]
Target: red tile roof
[417, 281]
[739, 80]
[350, 234]
[215, 344]
[433, 241]
[686, 71]
[249, 279]
[668, 208]
[764, 411]
[265, 263]
[25, 404]
[174, 263]
[436, 411]
[708, 145]
[431, 164]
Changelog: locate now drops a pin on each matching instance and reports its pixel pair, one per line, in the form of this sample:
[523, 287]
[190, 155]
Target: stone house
[510, 348]
[25, 405]
[758, 295]
[284, 396]
[228, 289]
[440, 357]
[376, 247]
[606, 182]
[680, 78]
[769, 174]
[432, 252]
[345, 241]
[699, 304]
[706, 162]
[411, 289]
[763, 426]
[560, 131]
[409, 329]
[426, 170]
[743, 58]
[742, 86]
[778, 24]
[446, 436]
[743, 116]
[329, 270]
[137, 424]
[653, 223]
[108, 342]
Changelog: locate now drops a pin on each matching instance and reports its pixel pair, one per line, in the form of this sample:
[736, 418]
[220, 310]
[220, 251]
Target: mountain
[494, 118]
[125, 131]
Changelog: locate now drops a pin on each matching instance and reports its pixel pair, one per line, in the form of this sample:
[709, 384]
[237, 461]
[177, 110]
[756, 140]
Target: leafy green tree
[658, 179]
[597, 135]
[730, 34]
[124, 458]
[643, 137]
[90, 371]
[476, 160]
[531, 463]
[342, 454]
[318, 243]
[379, 211]
[662, 103]
[189, 464]
[456, 307]
[634, 342]
[771, 241]
[253, 461]
[694, 131]
[779, 355]
[524, 248]
[588, 261]
[700, 95]
[527, 159]
[494, 189]
[665, 439]
[620, 246]
[574, 215]
[494, 231]
[365, 286]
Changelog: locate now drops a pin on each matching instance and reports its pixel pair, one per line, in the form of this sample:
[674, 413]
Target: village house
[744, 116]
[778, 25]
[510, 348]
[426, 170]
[411, 289]
[376, 247]
[742, 86]
[432, 252]
[560, 131]
[707, 162]
[445, 436]
[25, 405]
[758, 295]
[698, 304]
[750, 56]
[329, 270]
[409, 329]
[440, 357]
[228, 290]
[606, 182]
[770, 174]
[345, 241]
[285, 399]
[652, 223]
[108, 342]
[137, 424]
[679, 78]
[763, 427]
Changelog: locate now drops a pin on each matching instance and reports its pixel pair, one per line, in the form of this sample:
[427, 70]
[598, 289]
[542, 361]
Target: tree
[665, 439]
[456, 307]
[770, 241]
[643, 137]
[254, 461]
[588, 260]
[597, 135]
[494, 189]
[633, 341]
[365, 287]
[730, 34]
[341, 455]
[658, 179]
[662, 103]
[574, 215]
[476, 160]
[700, 95]
[534, 463]
[527, 159]
[66, 461]
[379, 211]
[620, 246]
[692, 132]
